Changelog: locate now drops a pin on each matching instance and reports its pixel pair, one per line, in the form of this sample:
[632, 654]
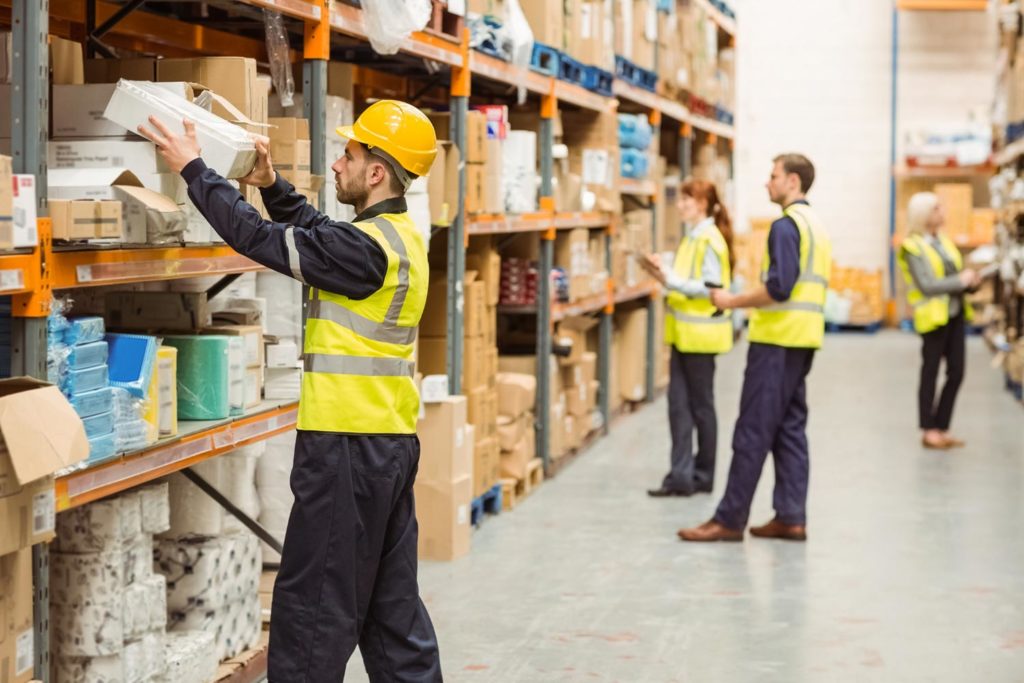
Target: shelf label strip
[265, 426]
[12, 280]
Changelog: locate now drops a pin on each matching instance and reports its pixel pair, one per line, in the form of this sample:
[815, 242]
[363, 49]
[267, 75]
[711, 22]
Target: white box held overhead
[227, 148]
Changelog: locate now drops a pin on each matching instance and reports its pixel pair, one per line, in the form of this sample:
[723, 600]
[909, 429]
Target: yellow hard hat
[398, 132]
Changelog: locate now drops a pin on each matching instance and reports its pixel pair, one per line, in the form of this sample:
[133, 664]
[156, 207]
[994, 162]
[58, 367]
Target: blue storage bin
[99, 425]
[88, 355]
[93, 403]
[635, 131]
[634, 163]
[102, 448]
[87, 379]
[84, 330]
[131, 362]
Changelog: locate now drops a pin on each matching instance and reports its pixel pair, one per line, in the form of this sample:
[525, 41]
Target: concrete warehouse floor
[913, 570]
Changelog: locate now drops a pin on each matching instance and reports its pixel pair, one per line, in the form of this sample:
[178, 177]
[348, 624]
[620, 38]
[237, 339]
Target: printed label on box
[24, 652]
[44, 513]
[596, 167]
[462, 516]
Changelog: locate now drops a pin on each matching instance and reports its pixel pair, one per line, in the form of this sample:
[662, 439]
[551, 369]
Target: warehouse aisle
[912, 571]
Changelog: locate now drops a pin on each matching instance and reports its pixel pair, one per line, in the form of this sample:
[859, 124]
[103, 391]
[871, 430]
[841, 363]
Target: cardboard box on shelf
[546, 21]
[473, 363]
[476, 189]
[512, 429]
[23, 229]
[572, 333]
[434, 322]
[474, 305]
[443, 183]
[16, 632]
[234, 78]
[514, 462]
[67, 63]
[252, 341]
[443, 514]
[486, 466]
[446, 450]
[78, 109]
[41, 434]
[476, 133]
[149, 217]
[983, 226]
[632, 373]
[6, 197]
[82, 183]
[494, 176]
[136, 154]
[958, 201]
[157, 311]
[517, 393]
[290, 149]
[113, 70]
[432, 356]
[572, 252]
[484, 258]
[85, 219]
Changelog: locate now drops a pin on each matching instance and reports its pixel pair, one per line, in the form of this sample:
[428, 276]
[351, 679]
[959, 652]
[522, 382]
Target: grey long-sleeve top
[711, 268]
[936, 284]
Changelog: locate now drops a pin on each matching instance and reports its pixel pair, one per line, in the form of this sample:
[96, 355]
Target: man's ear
[378, 174]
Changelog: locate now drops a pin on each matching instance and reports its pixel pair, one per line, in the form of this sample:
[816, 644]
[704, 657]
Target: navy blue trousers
[348, 570]
[773, 417]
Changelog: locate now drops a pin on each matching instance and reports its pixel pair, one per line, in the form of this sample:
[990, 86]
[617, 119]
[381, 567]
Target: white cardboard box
[137, 154]
[227, 148]
[79, 183]
[78, 109]
[24, 204]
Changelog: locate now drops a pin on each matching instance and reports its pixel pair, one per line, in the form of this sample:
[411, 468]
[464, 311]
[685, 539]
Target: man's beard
[354, 193]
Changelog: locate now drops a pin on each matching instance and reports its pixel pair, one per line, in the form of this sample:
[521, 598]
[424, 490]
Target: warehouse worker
[696, 335]
[786, 326]
[348, 570]
[933, 268]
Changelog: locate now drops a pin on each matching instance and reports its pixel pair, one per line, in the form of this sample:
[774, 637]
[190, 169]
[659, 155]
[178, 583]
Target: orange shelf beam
[121, 266]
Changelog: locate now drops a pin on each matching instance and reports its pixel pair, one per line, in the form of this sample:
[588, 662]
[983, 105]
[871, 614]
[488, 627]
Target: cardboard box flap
[42, 432]
[206, 100]
[90, 177]
[578, 323]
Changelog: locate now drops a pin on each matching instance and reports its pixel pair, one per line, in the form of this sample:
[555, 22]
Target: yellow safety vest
[798, 322]
[358, 354]
[689, 325]
[930, 312]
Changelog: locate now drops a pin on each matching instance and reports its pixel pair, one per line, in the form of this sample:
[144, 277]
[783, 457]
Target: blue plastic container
[88, 379]
[88, 355]
[84, 330]
[131, 362]
[102, 448]
[99, 425]
[634, 163]
[93, 403]
[635, 131]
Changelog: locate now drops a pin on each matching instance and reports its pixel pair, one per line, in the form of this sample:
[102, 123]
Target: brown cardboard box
[252, 340]
[78, 219]
[113, 70]
[432, 356]
[443, 183]
[486, 261]
[514, 462]
[546, 21]
[632, 373]
[290, 150]
[958, 201]
[512, 429]
[594, 390]
[434, 322]
[486, 466]
[445, 450]
[41, 434]
[588, 367]
[570, 433]
[556, 437]
[572, 253]
[527, 365]
[16, 634]
[157, 311]
[491, 339]
[443, 514]
[584, 34]
[476, 133]
[233, 78]
[473, 363]
[584, 426]
[476, 410]
[476, 188]
[474, 305]
[581, 398]
[494, 197]
[572, 332]
[67, 63]
[6, 196]
[517, 393]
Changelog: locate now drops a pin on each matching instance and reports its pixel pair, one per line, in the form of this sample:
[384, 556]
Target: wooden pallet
[514, 491]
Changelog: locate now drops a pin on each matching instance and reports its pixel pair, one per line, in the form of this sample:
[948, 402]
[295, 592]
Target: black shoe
[668, 493]
[704, 489]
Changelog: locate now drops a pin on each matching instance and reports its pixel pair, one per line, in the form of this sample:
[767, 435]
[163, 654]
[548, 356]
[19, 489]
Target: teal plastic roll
[203, 376]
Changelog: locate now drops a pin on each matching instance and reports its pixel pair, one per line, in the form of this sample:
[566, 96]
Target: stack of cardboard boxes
[517, 395]
[484, 146]
[632, 239]
[17, 208]
[578, 385]
[636, 36]
[290, 153]
[593, 142]
[629, 340]
[581, 255]
[444, 482]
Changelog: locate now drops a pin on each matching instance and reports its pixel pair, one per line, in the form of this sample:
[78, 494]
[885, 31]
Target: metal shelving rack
[31, 276]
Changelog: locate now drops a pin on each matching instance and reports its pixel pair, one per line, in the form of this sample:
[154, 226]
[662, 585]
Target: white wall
[814, 76]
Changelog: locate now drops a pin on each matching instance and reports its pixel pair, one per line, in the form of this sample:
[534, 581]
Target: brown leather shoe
[776, 529]
[953, 442]
[709, 532]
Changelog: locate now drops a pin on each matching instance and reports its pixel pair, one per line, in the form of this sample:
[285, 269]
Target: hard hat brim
[349, 133]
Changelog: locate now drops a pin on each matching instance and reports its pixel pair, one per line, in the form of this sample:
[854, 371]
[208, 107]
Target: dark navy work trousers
[348, 570]
[773, 417]
[691, 405]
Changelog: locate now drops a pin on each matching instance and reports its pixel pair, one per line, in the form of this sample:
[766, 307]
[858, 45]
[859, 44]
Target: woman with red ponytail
[697, 332]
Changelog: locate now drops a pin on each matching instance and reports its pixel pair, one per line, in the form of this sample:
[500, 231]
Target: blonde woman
[933, 268]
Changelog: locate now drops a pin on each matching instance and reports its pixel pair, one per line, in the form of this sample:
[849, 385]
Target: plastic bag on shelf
[520, 34]
[389, 22]
[278, 51]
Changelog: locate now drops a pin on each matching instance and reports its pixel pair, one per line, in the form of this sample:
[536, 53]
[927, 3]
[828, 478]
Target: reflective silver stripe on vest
[293, 254]
[358, 365]
[795, 306]
[700, 320]
[388, 331]
[807, 273]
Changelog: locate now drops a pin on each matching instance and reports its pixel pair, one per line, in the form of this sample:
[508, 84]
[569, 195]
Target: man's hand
[722, 299]
[262, 175]
[177, 150]
[969, 278]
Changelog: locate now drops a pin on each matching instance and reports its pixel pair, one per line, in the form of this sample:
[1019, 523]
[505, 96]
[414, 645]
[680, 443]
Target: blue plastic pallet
[489, 503]
[629, 72]
[545, 59]
[570, 70]
[598, 80]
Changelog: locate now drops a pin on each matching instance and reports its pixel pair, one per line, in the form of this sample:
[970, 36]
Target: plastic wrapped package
[132, 357]
[389, 22]
[284, 304]
[196, 572]
[137, 560]
[192, 511]
[634, 163]
[191, 656]
[227, 148]
[635, 131]
[91, 403]
[519, 172]
[156, 508]
[145, 607]
[84, 579]
[99, 425]
[87, 355]
[91, 528]
[203, 376]
[131, 436]
[236, 375]
[127, 408]
[102, 448]
[87, 379]
[57, 322]
[89, 669]
[279, 53]
[131, 516]
[90, 630]
[273, 473]
[238, 473]
[57, 355]
[84, 330]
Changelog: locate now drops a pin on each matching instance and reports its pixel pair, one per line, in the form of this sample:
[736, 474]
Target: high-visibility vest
[689, 325]
[930, 312]
[358, 354]
[798, 322]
